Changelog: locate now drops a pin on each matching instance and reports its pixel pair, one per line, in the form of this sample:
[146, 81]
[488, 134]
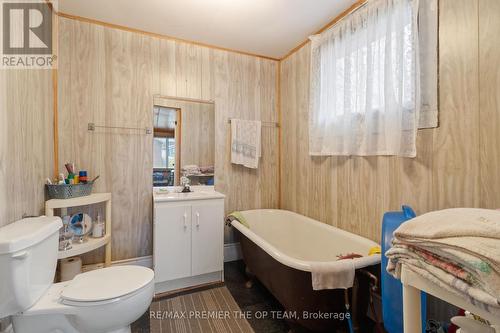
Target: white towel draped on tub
[333, 274]
[246, 142]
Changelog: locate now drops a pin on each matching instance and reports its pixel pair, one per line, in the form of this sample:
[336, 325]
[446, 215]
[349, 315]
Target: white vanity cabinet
[188, 240]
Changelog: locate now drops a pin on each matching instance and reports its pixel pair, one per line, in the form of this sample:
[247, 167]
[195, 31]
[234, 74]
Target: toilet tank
[28, 259]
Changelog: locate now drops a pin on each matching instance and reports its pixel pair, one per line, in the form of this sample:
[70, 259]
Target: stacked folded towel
[207, 169]
[457, 249]
[189, 170]
[194, 170]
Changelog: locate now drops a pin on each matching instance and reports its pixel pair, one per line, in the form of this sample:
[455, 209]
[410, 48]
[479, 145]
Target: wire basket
[68, 191]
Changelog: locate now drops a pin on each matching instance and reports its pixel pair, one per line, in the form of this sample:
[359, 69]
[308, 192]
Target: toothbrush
[70, 167]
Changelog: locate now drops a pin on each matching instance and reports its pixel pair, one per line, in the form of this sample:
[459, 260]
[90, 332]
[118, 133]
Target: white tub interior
[296, 240]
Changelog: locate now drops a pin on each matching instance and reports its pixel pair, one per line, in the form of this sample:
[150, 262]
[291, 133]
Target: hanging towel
[246, 142]
[333, 274]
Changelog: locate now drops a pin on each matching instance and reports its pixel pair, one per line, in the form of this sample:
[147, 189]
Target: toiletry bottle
[98, 227]
[83, 176]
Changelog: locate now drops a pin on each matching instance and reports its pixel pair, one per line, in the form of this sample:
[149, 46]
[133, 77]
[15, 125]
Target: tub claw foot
[249, 284]
[250, 276]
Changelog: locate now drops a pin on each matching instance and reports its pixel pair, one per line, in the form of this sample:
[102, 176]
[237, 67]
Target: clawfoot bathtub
[278, 248]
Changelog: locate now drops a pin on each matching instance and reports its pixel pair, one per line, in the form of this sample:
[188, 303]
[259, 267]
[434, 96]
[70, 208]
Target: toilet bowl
[101, 301]
[106, 300]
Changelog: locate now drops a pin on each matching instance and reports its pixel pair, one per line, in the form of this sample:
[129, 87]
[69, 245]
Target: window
[365, 96]
[160, 153]
[163, 161]
[164, 153]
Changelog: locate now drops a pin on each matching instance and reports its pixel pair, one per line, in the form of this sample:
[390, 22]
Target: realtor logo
[27, 34]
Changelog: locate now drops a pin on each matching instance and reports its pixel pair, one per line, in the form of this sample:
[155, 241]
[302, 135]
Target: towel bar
[92, 127]
[264, 123]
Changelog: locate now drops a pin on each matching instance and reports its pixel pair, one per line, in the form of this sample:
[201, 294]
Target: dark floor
[256, 300]
[259, 300]
[142, 324]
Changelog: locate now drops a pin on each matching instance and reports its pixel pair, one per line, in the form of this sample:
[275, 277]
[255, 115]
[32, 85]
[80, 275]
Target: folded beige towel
[471, 297]
[455, 222]
[470, 230]
[466, 246]
[458, 278]
[333, 274]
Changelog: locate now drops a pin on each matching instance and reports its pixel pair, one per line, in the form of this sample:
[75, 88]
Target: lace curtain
[428, 37]
[365, 83]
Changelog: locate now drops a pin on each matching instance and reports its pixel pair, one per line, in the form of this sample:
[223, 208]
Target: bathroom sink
[174, 194]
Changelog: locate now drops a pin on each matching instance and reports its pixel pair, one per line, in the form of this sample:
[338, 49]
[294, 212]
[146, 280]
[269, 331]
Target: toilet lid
[107, 283]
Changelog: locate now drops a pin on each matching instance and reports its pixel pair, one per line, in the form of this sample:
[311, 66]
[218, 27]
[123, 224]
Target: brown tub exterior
[293, 289]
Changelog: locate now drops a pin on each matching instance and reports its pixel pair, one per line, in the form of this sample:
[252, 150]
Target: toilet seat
[78, 304]
[52, 302]
[105, 285]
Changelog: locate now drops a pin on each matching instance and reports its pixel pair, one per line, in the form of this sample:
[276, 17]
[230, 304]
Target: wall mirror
[183, 142]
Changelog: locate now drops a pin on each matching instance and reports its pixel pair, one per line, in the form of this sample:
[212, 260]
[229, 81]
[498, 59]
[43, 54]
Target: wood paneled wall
[457, 164]
[26, 141]
[489, 102]
[109, 76]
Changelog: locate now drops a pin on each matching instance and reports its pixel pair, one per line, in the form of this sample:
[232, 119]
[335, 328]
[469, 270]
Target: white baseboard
[191, 281]
[146, 261]
[232, 252]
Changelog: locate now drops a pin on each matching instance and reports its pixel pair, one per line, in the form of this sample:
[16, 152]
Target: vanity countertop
[167, 194]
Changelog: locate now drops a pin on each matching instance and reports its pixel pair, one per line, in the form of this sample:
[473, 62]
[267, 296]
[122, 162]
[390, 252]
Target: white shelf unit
[91, 243]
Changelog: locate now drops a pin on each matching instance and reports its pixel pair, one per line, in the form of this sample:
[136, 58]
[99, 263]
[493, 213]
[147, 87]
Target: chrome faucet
[185, 183]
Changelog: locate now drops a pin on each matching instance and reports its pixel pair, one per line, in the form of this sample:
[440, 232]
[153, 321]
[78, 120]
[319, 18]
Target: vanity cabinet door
[172, 241]
[208, 233]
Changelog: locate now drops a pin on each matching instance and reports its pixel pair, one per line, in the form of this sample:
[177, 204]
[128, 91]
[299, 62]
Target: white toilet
[101, 301]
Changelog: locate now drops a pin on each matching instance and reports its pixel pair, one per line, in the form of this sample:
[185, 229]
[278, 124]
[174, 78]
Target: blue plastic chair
[392, 289]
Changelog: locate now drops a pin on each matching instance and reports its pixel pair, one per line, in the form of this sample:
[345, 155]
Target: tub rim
[299, 264]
